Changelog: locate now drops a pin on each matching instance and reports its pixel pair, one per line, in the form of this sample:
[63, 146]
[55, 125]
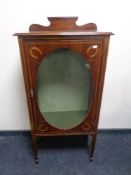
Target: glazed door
[63, 76]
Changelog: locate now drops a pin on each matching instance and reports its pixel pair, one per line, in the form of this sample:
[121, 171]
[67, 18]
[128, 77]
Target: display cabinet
[64, 67]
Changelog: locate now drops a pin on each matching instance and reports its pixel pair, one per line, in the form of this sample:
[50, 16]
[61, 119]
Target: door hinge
[31, 93]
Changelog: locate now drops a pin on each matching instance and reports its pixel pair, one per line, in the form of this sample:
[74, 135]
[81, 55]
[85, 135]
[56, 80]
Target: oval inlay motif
[92, 51]
[42, 127]
[85, 126]
[35, 52]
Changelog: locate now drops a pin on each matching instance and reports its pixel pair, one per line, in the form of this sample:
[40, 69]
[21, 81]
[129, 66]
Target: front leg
[92, 146]
[34, 147]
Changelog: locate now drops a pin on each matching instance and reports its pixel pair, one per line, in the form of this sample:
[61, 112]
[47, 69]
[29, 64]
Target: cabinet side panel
[101, 79]
[26, 83]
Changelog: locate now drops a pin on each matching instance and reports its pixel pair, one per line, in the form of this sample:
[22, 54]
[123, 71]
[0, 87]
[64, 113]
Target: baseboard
[115, 131]
[15, 132]
[28, 133]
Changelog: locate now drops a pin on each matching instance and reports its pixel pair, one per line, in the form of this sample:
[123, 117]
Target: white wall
[114, 16]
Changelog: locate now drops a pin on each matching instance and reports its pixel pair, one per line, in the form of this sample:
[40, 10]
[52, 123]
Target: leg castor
[36, 161]
[91, 159]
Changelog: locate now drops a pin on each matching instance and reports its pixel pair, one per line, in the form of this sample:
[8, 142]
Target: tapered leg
[34, 146]
[92, 147]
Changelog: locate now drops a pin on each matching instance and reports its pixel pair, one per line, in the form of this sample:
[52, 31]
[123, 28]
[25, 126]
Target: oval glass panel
[64, 88]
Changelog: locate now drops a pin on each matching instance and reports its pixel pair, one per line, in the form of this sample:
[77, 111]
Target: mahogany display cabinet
[64, 67]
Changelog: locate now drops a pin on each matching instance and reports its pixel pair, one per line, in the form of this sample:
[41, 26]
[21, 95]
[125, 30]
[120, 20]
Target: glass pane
[64, 88]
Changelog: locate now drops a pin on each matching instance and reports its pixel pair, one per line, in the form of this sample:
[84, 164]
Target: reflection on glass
[64, 88]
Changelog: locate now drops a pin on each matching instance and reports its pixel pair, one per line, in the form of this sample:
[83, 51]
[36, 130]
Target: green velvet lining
[64, 119]
[64, 88]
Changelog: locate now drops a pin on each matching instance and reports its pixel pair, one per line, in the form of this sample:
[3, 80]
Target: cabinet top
[62, 26]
